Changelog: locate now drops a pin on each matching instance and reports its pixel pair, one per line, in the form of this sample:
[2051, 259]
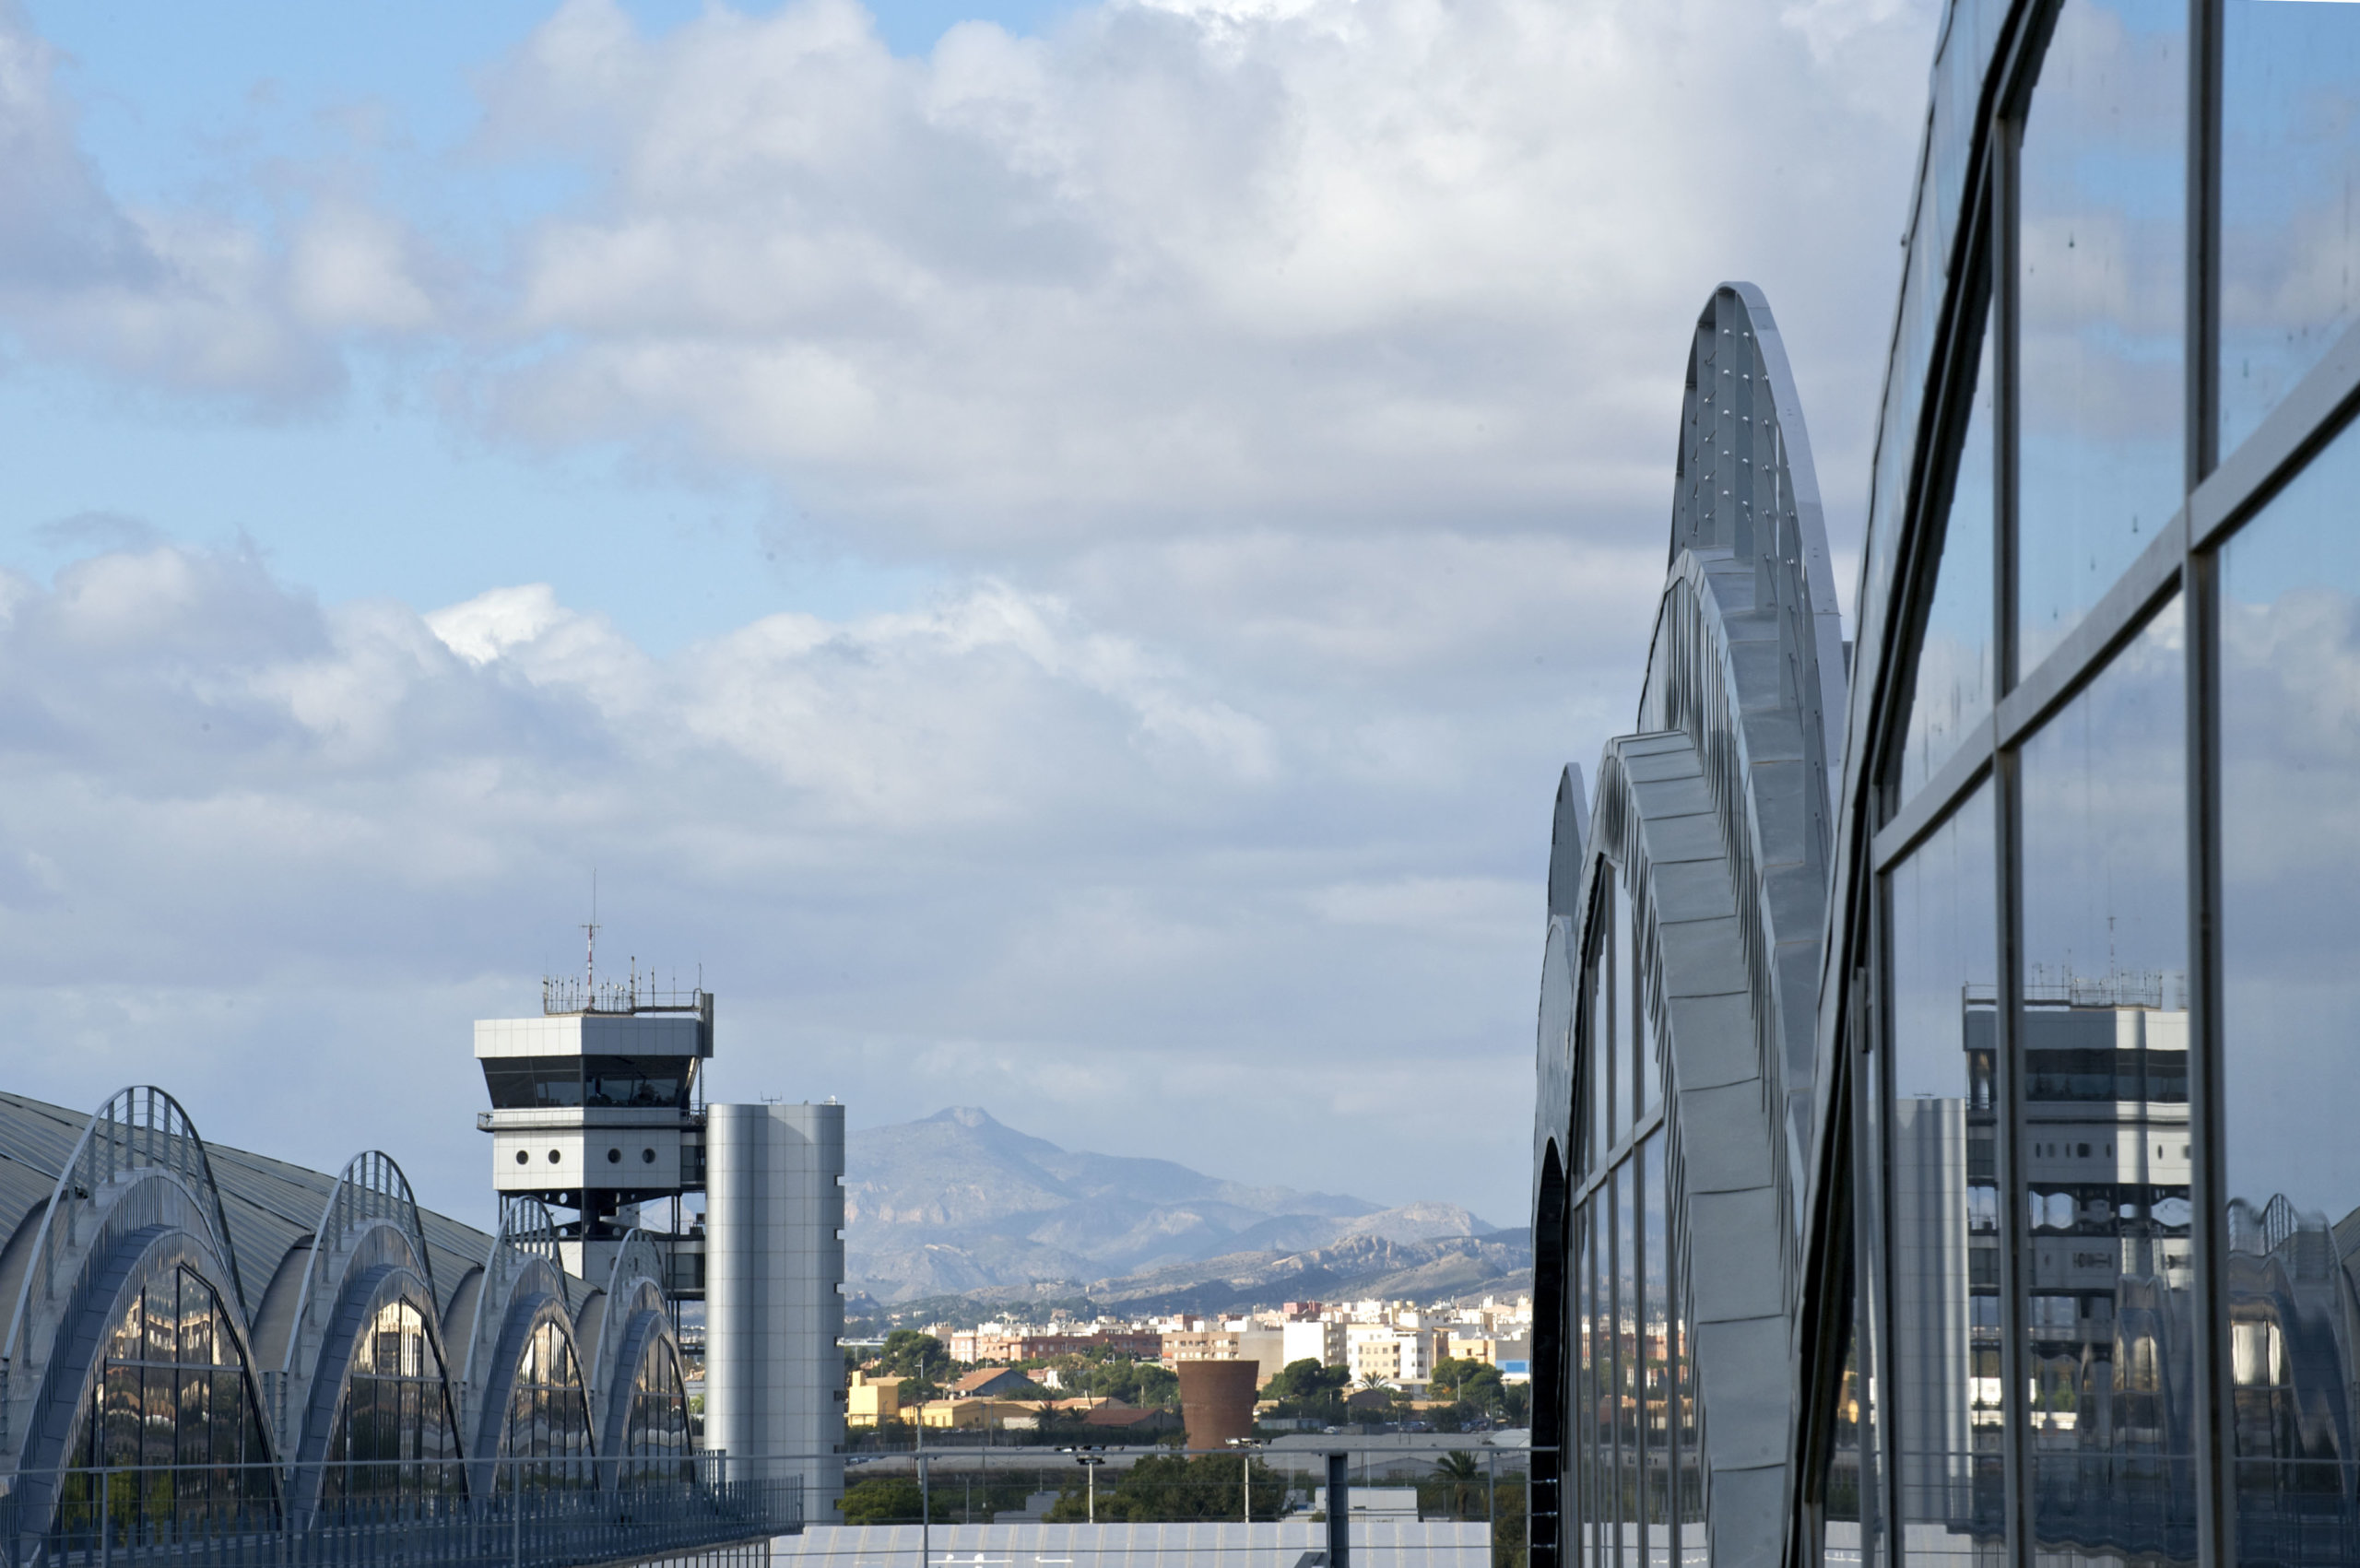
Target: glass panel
[2103, 1037]
[1871, 1311]
[1585, 1423]
[636, 1080]
[1649, 1049]
[2290, 200]
[2290, 777]
[1944, 1201]
[1628, 1096]
[1840, 1486]
[2103, 188]
[1626, 1361]
[1953, 678]
[1601, 1050]
[1654, 1354]
[1692, 1468]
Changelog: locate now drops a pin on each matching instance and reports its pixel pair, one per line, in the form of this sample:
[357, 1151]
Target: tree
[886, 1499]
[1308, 1381]
[1459, 1486]
[918, 1358]
[1468, 1381]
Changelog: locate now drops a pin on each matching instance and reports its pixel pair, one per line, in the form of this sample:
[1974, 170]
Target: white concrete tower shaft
[774, 1310]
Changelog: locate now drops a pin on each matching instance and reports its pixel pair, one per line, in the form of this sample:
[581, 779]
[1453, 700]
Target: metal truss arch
[139, 1140]
[370, 1221]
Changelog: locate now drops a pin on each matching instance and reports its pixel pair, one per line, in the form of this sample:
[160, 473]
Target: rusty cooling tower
[1216, 1401]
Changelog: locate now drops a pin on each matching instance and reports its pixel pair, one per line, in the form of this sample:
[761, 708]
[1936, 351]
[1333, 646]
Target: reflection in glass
[2103, 1042]
[172, 1412]
[2102, 306]
[1601, 1036]
[1587, 1427]
[548, 1415]
[2289, 823]
[1862, 1428]
[1626, 1362]
[656, 1441]
[1646, 1050]
[395, 1435]
[1617, 967]
[1954, 679]
[1655, 1355]
[2290, 198]
[1947, 1402]
[1683, 1382]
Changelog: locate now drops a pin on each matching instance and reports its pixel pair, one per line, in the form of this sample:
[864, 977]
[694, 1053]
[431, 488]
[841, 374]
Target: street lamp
[1089, 1458]
[1246, 1445]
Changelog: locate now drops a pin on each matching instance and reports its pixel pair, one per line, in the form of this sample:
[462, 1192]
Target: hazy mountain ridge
[960, 1203]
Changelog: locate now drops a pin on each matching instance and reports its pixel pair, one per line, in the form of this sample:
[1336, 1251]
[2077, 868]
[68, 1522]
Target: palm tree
[1462, 1481]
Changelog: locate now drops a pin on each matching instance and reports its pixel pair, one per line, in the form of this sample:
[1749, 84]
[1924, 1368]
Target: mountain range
[959, 1204]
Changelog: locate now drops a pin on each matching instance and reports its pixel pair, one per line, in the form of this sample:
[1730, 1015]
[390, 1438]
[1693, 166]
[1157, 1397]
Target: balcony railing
[413, 1515]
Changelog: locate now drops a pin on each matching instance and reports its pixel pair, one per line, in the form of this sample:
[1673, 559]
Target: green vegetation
[886, 1499]
[1308, 1382]
[1172, 1487]
[920, 1358]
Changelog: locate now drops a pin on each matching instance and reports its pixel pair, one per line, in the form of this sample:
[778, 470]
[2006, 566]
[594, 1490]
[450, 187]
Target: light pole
[1246, 1445]
[1089, 1458]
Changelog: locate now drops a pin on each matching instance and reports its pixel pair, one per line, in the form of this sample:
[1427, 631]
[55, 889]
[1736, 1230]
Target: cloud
[1281, 393]
[1192, 264]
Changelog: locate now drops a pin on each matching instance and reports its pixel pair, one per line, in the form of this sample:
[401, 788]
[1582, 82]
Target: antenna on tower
[590, 956]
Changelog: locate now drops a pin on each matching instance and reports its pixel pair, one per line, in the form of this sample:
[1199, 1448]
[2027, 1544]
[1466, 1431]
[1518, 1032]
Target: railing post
[1340, 1511]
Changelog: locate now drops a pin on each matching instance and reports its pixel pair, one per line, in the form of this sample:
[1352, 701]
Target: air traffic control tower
[597, 1111]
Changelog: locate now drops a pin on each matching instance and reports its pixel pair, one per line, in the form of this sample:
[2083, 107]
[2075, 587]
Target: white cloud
[1285, 388]
[1242, 266]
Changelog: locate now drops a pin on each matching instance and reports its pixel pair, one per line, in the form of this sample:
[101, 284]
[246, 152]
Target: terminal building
[1941, 1155]
[214, 1355]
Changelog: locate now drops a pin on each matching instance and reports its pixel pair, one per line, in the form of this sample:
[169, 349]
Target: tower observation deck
[597, 1109]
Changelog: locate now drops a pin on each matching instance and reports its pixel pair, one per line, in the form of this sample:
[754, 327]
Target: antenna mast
[590, 956]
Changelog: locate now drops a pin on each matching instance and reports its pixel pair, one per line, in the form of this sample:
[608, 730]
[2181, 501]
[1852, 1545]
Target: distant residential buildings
[1396, 1343]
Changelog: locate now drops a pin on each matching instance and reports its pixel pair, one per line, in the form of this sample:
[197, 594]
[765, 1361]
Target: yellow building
[872, 1400]
[982, 1412]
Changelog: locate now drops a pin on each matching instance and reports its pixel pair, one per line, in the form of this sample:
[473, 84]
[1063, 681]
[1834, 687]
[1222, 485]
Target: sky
[1052, 553]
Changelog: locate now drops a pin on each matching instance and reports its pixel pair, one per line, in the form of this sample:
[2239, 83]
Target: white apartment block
[1321, 1342]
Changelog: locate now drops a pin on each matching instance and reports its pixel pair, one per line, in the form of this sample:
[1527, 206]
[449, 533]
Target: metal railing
[541, 1513]
[1412, 1499]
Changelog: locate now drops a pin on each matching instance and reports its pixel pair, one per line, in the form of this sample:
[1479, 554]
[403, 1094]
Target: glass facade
[396, 1436]
[1940, 1149]
[2098, 1274]
[656, 1434]
[2079, 1282]
[2101, 294]
[1633, 1430]
[2290, 200]
[547, 1429]
[2290, 862]
[170, 1442]
[530, 1083]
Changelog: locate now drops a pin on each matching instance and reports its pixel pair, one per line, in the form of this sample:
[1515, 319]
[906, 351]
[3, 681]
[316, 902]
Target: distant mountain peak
[965, 1115]
[961, 1201]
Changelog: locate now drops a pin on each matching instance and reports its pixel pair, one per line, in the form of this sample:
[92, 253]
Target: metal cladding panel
[590, 1035]
[774, 1268]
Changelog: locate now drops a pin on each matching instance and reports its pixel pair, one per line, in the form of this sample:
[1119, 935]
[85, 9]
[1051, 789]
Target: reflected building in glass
[2008, 955]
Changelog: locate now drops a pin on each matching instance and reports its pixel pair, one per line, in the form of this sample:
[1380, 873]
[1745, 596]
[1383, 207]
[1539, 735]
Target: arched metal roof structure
[1686, 904]
[125, 1241]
